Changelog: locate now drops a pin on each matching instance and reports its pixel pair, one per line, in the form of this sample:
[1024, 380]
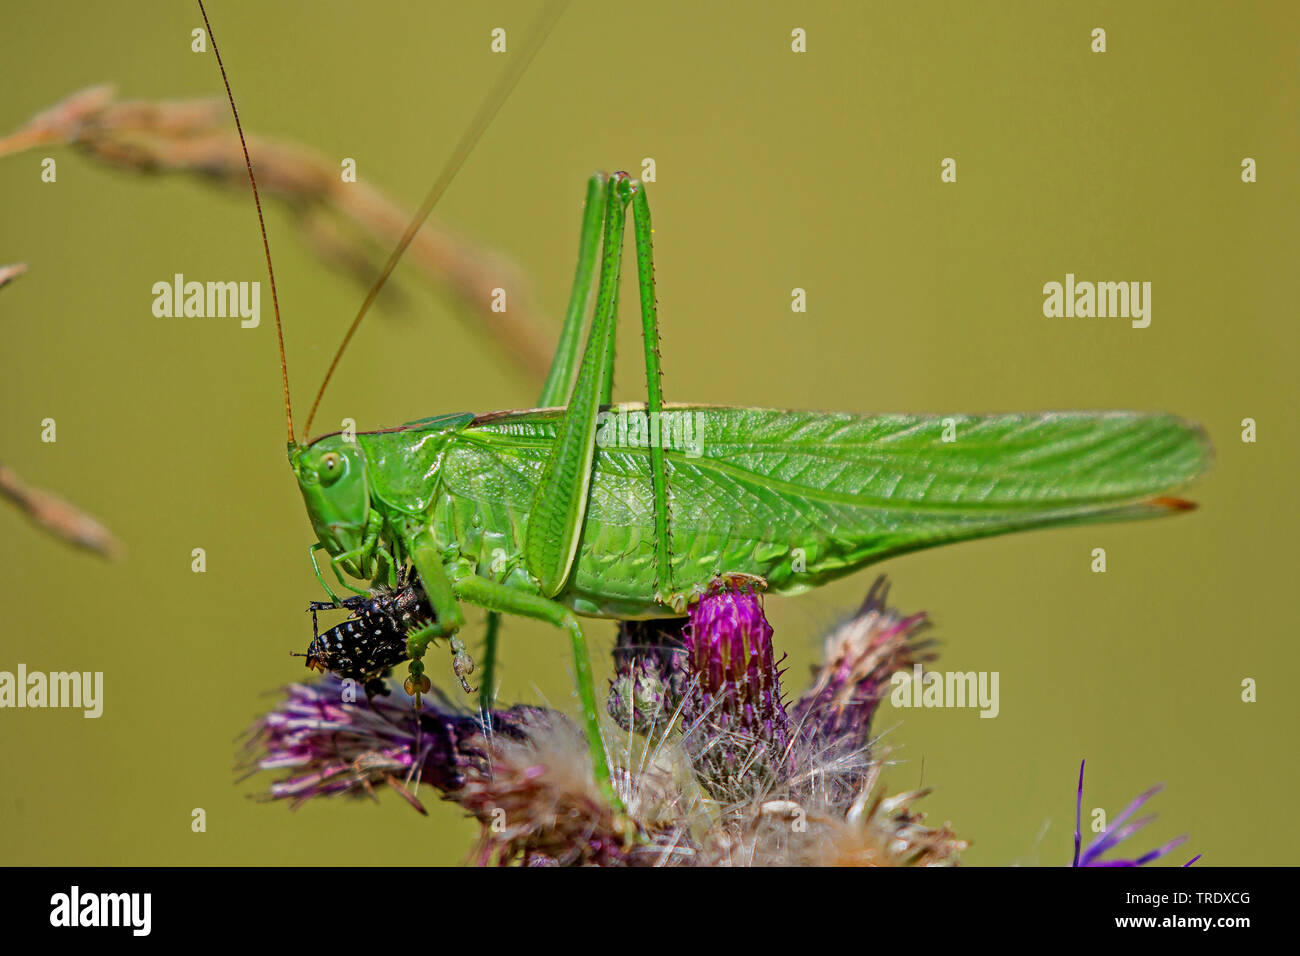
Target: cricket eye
[331, 467]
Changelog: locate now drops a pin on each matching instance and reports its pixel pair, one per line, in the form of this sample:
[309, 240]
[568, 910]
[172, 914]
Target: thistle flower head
[523, 772]
[335, 744]
[859, 658]
[733, 713]
[833, 717]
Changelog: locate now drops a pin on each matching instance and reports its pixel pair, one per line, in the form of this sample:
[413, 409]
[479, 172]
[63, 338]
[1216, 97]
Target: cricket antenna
[482, 120]
[266, 245]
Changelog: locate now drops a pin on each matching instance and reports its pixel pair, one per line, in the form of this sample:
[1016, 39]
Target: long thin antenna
[266, 245]
[482, 119]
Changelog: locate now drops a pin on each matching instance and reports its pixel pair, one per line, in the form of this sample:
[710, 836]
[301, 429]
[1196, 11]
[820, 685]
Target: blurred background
[774, 170]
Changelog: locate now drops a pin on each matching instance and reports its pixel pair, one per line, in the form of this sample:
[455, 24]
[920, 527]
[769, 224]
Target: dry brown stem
[348, 224]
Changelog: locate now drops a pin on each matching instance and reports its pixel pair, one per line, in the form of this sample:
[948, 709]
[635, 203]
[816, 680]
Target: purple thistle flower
[733, 714]
[861, 655]
[338, 745]
[1117, 832]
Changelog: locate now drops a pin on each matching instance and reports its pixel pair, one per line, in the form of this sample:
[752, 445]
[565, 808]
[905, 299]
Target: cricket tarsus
[261, 223]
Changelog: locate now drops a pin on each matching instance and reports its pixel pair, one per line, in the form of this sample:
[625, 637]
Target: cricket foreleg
[492, 596]
[560, 499]
[311, 552]
[365, 557]
[337, 573]
[386, 566]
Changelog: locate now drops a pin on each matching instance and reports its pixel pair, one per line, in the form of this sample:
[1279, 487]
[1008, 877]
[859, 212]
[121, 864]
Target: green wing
[847, 490]
[858, 489]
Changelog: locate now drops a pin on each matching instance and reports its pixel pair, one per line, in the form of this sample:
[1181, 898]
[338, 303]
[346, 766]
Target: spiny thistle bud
[733, 716]
[638, 699]
[650, 674]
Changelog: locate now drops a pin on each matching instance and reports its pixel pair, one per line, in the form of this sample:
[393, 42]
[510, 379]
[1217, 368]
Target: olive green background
[775, 170]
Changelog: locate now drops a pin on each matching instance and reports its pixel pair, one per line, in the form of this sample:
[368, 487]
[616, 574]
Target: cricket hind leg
[666, 591]
[559, 502]
[560, 497]
[559, 379]
[643, 233]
